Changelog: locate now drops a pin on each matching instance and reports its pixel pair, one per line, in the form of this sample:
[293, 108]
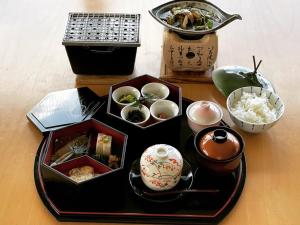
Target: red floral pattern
[160, 173]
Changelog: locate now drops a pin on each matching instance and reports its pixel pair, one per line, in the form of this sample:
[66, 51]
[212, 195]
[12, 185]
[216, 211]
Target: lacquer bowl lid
[161, 167]
[219, 144]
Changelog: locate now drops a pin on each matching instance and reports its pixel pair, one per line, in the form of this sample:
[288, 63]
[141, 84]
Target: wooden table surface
[33, 63]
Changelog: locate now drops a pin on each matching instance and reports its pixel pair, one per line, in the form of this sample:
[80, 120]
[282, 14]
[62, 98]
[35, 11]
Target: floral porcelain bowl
[161, 167]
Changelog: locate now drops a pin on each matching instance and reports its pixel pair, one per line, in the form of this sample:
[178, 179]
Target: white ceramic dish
[159, 90]
[125, 90]
[163, 109]
[129, 108]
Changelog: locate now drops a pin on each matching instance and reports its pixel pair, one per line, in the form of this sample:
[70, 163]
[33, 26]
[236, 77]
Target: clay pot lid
[205, 112]
[219, 144]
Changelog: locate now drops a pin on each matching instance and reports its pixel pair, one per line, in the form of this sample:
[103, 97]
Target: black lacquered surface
[119, 203]
[62, 108]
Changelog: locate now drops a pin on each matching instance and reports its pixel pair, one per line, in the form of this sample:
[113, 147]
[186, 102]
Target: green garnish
[127, 98]
[105, 139]
[209, 24]
[148, 97]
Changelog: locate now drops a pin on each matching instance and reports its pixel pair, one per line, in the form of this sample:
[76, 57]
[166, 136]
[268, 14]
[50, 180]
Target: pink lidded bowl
[202, 114]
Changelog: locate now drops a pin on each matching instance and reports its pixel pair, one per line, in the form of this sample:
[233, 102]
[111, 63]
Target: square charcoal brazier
[102, 43]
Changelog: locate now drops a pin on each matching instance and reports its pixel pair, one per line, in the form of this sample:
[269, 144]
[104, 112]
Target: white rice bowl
[254, 109]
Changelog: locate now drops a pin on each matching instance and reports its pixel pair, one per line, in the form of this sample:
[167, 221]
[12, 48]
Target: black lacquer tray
[127, 207]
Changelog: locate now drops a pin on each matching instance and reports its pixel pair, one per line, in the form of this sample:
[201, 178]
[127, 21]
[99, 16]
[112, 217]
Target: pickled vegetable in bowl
[127, 98]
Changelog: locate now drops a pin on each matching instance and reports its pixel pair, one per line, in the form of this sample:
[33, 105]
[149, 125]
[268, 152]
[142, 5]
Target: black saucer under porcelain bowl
[219, 149]
[142, 191]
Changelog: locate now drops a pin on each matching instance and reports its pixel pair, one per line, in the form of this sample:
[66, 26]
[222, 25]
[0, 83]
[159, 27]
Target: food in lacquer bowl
[84, 152]
[82, 169]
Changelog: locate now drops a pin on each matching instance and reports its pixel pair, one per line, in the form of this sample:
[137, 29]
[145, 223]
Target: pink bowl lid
[205, 112]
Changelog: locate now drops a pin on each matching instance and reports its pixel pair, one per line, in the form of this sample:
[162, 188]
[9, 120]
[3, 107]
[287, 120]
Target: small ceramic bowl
[202, 114]
[124, 91]
[161, 167]
[163, 109]
[137, 115]
[219, 149]
[154, 91]
[271, 99]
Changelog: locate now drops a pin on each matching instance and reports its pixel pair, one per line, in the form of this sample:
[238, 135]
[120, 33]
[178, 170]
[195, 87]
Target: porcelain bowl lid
[161, 167]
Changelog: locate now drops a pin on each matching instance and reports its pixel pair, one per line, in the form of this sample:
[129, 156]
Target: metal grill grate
[102, 29]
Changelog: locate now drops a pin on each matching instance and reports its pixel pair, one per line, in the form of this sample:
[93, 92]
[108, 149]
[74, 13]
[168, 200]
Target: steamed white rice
[254, 109]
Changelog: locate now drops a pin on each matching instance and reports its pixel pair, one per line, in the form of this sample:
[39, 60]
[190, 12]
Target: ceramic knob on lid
[161, 167]
[219, 144]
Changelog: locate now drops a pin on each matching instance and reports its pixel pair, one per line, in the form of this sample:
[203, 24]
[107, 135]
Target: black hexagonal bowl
[152, 130]
[58, 175]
